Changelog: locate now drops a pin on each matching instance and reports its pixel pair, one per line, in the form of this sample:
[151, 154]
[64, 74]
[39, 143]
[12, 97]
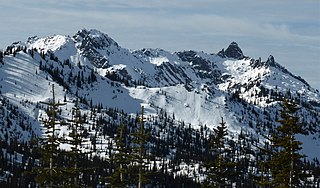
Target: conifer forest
[145, 151]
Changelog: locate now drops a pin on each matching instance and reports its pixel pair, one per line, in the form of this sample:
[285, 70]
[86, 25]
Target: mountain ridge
[192, 86]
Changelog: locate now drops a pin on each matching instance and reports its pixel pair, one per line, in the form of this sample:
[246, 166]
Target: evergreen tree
[74, 167]
[220, 167]
[93, 76]
[286, 162]
[121, 159]
[48, 175]
[139, 155]
[262, 177]
[1, 56]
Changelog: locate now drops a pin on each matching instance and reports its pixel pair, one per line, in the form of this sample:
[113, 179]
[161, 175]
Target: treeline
[145, 151]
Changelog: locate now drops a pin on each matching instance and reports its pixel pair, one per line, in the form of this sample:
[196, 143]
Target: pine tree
[76, 155]
[1, 56]
[139, 156]
[285, 162]
[79, 80]
[48, 175]
[93, 76]
[220, 167]
[121, 159]
[262, 177]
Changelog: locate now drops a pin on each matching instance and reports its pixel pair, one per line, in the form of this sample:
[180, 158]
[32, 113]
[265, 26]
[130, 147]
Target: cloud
[287, 28]
[183, 16]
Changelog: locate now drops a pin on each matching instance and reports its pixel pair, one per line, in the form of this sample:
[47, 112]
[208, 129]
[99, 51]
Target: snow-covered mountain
[197, 88]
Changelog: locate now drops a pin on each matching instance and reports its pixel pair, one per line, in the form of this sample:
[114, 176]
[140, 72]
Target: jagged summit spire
[233, 51]
[270, 60]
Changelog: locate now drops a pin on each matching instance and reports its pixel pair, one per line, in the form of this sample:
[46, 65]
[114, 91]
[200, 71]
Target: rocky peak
[94, 38]
[221, 53]
[270, 60]
[95, 46]
[233, 51]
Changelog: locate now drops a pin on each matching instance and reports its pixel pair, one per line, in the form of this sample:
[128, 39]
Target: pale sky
[287, 29]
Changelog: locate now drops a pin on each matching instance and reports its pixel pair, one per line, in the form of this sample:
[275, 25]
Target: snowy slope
[195, 87]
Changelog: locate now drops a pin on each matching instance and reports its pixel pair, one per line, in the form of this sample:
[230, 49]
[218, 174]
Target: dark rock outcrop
[233, 51]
